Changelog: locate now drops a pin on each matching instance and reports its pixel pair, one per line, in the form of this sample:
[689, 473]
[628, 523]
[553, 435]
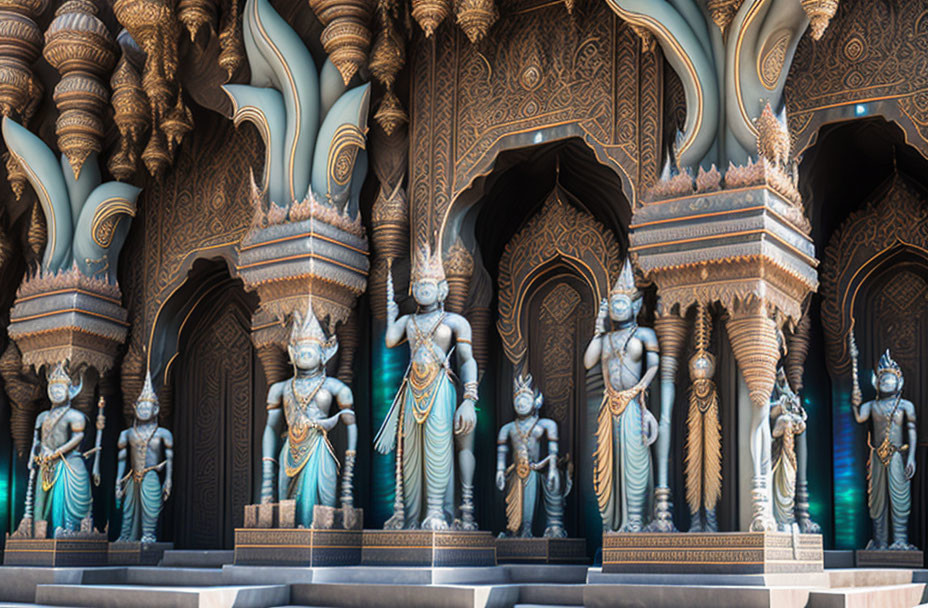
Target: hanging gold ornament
[194, 14]
[347, 35]
[131, 114]
[475, 17]
[390, 115]
[231, 45]
[387, 55]
[429, 14]
[79, 46]
[820, 13]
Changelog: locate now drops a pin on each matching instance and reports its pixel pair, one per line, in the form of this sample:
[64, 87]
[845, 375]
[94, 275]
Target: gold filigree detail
[346, 37]
[820, 13]
[475, 17]
[723, 11]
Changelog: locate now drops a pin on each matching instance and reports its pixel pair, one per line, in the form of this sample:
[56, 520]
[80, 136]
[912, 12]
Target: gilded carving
[558, 232]
[896, 218]
[79, 46]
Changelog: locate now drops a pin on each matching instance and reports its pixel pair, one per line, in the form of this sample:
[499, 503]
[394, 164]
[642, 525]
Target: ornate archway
[552, 275]
[874, 281]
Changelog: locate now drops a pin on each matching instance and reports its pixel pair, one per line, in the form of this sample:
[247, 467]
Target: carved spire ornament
[231, 46]
[79, 46]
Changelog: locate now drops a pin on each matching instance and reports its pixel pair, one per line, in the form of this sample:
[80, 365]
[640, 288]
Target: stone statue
[704, 432]
[149, 451]
[423, 417]
[62, 493]
[524, 476]
[626, 428]
[892, 461]
[308, 466]
[787, 421]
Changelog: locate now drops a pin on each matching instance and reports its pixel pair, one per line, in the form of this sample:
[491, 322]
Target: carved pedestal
[270, 537]
[889, 559]
[713, 553]
[428, 548]
[727, 245]
[68, 317]
[83, 550]
[136, 553]
[541, 551]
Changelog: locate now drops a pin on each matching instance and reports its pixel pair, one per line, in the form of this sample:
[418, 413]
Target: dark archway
[218, 389]
[851, 181]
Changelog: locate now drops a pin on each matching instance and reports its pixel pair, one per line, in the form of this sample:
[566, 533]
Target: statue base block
[889, 559]
[712, 553]
[541, 551]
[83, 551]
[297, 547]
[136, 553]
[428, 548]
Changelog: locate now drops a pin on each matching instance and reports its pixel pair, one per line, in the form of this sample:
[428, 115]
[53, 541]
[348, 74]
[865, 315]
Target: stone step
[870, 577]
[183, 558]
[553, 595]
[547, 606]
[134, 596]
[702, 596]
[885, 596]
[353, 595]
[173, 577]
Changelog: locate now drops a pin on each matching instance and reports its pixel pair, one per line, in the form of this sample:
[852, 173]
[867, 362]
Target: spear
[101, 422]
[856, 395]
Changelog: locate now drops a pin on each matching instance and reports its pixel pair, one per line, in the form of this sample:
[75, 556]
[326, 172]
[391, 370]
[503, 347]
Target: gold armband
[652, 348]
[269, 459]
[464, 340]
[470, 391]
[273, 406]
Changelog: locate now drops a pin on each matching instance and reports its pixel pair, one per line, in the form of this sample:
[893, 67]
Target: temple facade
[683, 244]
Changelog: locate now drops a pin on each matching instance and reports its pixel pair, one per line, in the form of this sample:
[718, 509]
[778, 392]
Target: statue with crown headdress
[62, 491]
[629, 359]
[308, 467]
[148, 450]
[787, 422]
[530, 477]
[892, 451]
[425, 420]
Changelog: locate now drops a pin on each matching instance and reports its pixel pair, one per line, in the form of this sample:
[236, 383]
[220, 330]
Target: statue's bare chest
[306, 400]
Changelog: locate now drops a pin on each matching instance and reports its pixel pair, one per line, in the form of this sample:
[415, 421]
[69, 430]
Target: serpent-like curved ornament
[727, 78]
[87, 221]
[687, 45]
[341, 136]
[293, 73]
[764, 36]
[44, 173]
[285, 100]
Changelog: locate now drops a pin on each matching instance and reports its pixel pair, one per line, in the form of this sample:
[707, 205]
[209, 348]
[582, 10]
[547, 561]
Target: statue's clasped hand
[465, 418]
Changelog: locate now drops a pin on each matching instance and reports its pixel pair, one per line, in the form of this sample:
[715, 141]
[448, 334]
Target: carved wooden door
[560, 319]
[217, 426]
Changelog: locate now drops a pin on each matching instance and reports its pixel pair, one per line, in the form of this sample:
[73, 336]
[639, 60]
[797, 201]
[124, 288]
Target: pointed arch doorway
[552, 275]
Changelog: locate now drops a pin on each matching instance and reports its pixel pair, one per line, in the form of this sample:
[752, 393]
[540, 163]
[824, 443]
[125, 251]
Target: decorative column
[671, 329]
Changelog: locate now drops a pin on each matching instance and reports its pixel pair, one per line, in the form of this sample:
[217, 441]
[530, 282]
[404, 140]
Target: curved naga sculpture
[731, 70]
[64, 309]
[314, 129]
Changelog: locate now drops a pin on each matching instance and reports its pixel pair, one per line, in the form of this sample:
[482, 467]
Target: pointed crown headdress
[59, 375]
[522, 384]
[306, 328]
[625, 284]
[148, 394]
[887, 365]
[427, 265]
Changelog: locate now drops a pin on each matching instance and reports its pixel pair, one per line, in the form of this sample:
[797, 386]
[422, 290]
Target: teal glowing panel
[850, 473]
[387, 368]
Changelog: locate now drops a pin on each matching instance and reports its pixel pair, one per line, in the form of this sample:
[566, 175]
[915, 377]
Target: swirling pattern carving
[558, 233]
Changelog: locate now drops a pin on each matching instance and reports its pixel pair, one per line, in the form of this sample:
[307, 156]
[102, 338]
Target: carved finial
[820, 13]
[194, 14]
[430, 13]
[346, 37]
[772, 138]
[390, 115]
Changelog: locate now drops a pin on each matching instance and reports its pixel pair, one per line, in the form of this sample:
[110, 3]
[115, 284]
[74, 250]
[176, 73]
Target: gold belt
[617, 401]
[422, 383]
